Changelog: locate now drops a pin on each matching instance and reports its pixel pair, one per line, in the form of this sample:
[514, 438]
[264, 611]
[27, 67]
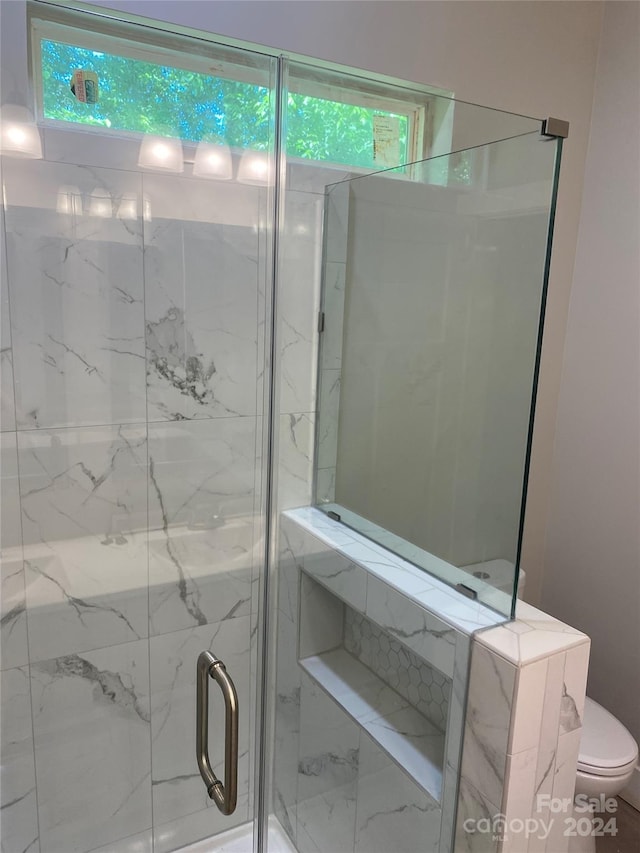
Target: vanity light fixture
[213, 161]
[101, 204]
[128, 207]
[162, 154]
[69, 200]
[19, 135]
[254, 168]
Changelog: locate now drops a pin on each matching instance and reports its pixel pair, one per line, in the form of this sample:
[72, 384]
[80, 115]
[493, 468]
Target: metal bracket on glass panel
[555, 128]
[225, 796]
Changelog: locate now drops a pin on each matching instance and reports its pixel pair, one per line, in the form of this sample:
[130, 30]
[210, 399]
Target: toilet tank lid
[604, 742]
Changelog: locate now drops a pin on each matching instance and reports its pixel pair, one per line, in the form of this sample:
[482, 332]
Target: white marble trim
[459, 612]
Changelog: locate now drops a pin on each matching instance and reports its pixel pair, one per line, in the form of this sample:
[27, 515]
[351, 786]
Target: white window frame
[319, 81]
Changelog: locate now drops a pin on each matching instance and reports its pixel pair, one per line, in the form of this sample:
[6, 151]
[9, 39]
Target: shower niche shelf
[412, 740]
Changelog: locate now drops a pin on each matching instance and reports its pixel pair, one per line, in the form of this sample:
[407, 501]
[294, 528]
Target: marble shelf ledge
[493, 597]
[423, 589]
[532, 636]
[413, 742]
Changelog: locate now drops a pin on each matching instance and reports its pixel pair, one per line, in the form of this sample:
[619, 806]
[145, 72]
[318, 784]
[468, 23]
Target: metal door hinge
[555, 127]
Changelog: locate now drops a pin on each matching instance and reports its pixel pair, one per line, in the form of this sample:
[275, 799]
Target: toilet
[608, 756]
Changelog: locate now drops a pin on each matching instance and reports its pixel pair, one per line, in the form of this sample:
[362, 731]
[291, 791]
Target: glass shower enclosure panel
[434, 278]
[133, 334]
[433, 300]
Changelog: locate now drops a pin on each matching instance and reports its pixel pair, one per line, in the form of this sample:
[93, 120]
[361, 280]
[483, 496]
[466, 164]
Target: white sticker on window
[386, 140]
[84, 85]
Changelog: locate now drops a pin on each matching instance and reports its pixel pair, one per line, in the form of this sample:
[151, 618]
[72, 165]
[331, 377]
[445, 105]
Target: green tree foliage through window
[148, 98]
[145, 97]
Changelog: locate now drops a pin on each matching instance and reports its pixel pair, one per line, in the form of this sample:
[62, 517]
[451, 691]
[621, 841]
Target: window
[146, 88]
[146, 97]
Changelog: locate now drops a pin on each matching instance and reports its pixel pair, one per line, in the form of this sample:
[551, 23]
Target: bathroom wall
[528, 57]
[592, 558]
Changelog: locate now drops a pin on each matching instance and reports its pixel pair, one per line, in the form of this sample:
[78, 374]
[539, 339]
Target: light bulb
[161, 154]
[254, 168]
[19, 136]
[213, 161]
[69, 200]
[101, 204]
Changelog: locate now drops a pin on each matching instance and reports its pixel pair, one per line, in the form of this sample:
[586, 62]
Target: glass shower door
[134, 306]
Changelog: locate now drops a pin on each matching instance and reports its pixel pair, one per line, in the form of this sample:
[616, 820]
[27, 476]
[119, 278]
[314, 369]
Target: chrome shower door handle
[225, 796]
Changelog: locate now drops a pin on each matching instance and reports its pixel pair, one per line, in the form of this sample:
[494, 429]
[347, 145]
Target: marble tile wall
[522, 735]
[424, 687]
[300, 273]
[330, 371]
[513, 729]
[131, 471]
[329, 774]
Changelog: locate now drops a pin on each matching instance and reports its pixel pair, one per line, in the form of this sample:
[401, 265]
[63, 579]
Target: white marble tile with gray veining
[419, 585]
[298, 300]
[91, 721]
[553, 692]
[576, 668]
[393, 813]
[328, 756]
[321, 619]
[564, 783]
[519, 799]
[287, 724]
[295, 476]
[325, 485]
[13, 613]
[7, 400]
[527, 711]
[326, 821]
[333, 307]
[475, 821]
[75, 271]
[343, 578]
[13, 616]
[429, 637]
[423, 687]
[317, 524]
[178, 789]
[18, 804]
[84, 510]
[457, 703]
[353, 686]
[201, 280]
[487, 723]
[415, 743]
[337, 200]
[449, 806]
[546, 637]
[290, 563]
[328, 418]
[202, 543]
